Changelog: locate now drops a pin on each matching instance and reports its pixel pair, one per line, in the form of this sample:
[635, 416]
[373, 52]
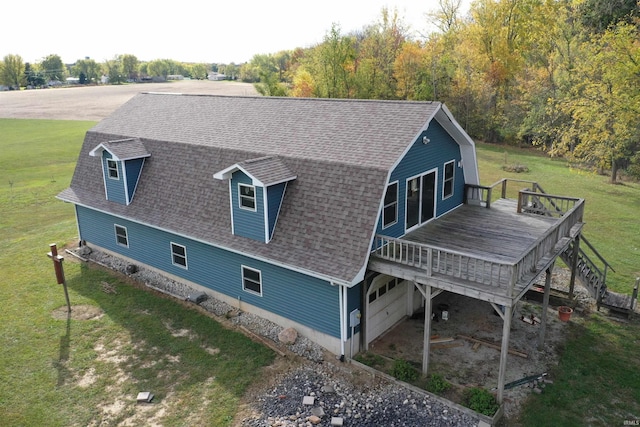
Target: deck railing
[485, 195]
[459, 265]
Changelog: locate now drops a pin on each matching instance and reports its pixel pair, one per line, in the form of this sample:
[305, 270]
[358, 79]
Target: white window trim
[126, 235]
[435, 203]
[109, 169]
[240, 196]
[397, 202]
[242, 269]
[444, 179]
[186, 263]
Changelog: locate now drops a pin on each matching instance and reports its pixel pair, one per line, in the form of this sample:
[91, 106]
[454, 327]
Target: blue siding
[115, 187]
[306, 300]
[134, 168]
[419, 159]
[274, 200]
[354, 300]
[247, 223]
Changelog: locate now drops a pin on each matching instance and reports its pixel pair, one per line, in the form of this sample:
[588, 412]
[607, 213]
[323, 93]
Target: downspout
[342, 297]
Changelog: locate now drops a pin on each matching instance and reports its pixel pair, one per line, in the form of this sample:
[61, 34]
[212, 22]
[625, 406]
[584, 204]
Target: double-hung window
[390, 210]
[251, 280]
[112, 169]
[247, 195]
[122, 238]
[447, 185]
[179, 255]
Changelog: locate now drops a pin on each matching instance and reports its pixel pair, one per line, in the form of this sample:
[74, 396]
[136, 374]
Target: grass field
[59, 372]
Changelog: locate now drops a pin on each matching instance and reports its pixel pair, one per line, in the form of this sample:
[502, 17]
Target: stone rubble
[337, 399]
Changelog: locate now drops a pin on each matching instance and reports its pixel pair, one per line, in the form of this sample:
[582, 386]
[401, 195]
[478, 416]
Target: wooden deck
[493, 254]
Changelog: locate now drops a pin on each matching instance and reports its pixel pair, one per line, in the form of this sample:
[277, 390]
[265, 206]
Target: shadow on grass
[597, 381]
[157, 344]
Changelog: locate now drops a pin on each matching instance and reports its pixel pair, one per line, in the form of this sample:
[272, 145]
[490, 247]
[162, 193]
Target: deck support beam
[574, 265]
[545, 306]
[427, 328]
[504, 351]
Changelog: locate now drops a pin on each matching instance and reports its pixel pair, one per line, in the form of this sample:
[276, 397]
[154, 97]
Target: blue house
[329, 216]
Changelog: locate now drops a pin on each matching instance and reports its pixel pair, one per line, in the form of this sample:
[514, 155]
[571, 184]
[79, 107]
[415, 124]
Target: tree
[408, 70]
[332, 65]
[33, 76]
[447, 19]
[12, 71]
[598, 15]
[130, 65]
[605, 103]
[377, 50]
[53, 68]
[199, 71]
[87, 67]
[113, 70]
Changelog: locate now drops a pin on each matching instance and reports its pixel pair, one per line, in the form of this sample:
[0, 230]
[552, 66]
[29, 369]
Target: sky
[188, 31]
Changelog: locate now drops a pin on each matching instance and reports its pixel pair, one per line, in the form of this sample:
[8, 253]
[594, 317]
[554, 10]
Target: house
[335, 217]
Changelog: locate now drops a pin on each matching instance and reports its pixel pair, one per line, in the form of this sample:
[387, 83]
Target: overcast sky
[188, 31]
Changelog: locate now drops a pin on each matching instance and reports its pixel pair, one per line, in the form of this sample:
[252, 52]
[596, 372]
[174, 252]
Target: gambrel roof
[339, 154]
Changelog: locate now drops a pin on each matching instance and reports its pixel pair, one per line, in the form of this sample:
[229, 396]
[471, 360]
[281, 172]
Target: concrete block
[337, 421]
[308, 400]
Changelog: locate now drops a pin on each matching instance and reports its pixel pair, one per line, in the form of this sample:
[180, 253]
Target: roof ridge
[363, 100]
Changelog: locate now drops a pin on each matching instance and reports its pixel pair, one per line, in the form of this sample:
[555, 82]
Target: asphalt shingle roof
[125, 149]
[340, 150]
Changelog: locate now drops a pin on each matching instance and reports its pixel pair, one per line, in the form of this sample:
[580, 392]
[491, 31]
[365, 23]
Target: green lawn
[88, 372]
[77, 373]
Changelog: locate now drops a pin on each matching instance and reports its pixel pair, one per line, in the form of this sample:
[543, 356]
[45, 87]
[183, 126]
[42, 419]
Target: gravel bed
[335, 393]
[358, 399]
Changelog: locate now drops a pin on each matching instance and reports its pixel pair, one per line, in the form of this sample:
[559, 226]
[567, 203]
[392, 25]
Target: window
[121, 236]
[447, 186]
[390, 210]
[112, 169]
[179, 255]
[251, 280]
[247, 196]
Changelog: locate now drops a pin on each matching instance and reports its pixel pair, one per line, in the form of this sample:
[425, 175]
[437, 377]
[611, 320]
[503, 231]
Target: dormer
[122, 162]
[256, 189]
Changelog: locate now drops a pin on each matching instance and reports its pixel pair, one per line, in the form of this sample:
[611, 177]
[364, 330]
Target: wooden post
[574, 265]
[427, 329]
[59, 270]
[504, 351]
[545, 305]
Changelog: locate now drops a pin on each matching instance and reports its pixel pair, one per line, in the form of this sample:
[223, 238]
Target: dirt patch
[78, 312]
[465, 362]
[97, 102]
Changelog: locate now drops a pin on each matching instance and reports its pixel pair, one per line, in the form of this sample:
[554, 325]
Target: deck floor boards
[499, 234]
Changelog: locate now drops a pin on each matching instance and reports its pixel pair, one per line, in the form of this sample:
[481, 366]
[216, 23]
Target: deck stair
[590, 270]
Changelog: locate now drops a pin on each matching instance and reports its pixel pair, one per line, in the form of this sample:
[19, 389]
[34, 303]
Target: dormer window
[247, 196]
[112, 167]
[122, 161]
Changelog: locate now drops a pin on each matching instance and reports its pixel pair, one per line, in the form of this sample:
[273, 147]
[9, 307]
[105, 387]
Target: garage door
[386, 305]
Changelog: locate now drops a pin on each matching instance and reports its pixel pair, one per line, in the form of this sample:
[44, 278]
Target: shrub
[437, 384]
[370, 359]
[480, 400]
[403, 371]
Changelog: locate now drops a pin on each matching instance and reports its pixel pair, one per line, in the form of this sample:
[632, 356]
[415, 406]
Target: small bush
[403, 371]
[480, 400]
[517, 168]
[370, 359]
[437, 384]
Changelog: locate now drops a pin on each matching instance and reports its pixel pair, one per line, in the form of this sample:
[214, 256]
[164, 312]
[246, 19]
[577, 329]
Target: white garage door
[386, 305]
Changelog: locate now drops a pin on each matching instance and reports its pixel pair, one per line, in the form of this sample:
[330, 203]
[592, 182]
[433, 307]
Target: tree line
[15, 73]
[563, 75]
